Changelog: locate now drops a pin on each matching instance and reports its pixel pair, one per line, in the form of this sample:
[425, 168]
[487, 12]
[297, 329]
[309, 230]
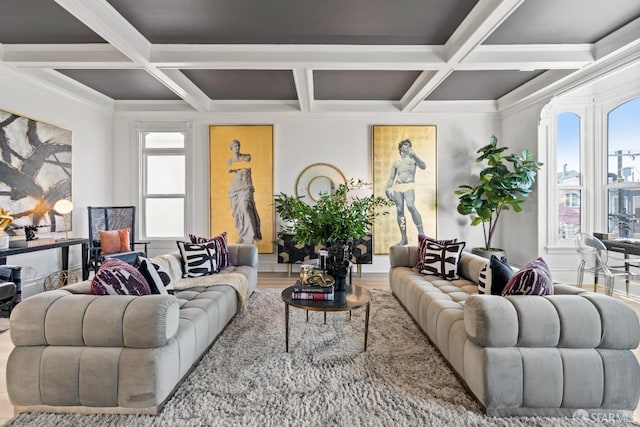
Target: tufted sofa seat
[78, 352]
[526, 355]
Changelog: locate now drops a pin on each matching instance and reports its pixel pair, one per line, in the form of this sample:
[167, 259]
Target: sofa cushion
[441, 260]
[198, 259]
[533, 279]
[158, 279]
[116, 277]
[223, 260]
[494, 276]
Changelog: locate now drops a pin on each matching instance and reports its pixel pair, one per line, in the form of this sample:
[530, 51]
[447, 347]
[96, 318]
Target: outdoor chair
[594, 258]
[113, 219]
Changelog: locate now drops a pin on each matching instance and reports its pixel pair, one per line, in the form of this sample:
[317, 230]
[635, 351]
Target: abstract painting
[404, 171]
[35, 170]
[241, 184]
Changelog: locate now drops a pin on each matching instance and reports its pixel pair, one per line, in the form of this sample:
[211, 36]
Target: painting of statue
[241, 182]
[404, 170]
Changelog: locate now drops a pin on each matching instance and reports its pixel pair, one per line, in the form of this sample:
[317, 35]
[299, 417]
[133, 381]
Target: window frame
[582, 111]
[139, 130]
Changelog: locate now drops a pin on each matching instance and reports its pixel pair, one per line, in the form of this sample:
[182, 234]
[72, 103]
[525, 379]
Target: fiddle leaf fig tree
[503, 185]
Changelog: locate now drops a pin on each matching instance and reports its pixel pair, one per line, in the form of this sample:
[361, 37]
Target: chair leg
[580, 273]
[610, 283]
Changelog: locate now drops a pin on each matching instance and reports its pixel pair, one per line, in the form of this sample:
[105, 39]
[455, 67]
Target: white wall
[519, 231]
[300, 139]
[91, 151]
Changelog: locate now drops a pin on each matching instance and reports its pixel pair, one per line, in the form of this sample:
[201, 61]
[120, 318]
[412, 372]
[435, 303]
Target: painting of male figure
[405, 173]
[241, 174]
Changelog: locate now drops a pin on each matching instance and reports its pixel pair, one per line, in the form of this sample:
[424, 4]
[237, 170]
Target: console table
[60, 243]
[291, 253]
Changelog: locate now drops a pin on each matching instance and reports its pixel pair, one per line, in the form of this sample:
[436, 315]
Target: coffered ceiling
[308, 55]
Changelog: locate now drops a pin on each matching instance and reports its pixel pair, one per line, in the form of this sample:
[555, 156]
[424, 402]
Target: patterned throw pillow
[198, 259]
[116, 277]
[158, 279]
[441, 260]
[114, 241]
[533, 279]
[222, 249]
[421, 243]
[494, 276]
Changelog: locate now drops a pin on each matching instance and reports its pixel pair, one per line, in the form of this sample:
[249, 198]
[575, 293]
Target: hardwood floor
[265, 280]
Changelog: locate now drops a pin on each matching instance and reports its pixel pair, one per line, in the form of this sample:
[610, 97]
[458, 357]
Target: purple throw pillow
[533, 279]
[116, 277]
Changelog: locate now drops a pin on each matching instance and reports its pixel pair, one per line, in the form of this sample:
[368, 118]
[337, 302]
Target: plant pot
[499, 253]
[339, 253]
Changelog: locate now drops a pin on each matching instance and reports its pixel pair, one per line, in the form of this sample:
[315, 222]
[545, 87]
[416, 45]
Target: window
[572, 200]
[568, 176]
[163, 181]
[623, 169]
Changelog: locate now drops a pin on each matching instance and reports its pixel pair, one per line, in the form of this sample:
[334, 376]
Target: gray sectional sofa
[77, 352]
[526, 355]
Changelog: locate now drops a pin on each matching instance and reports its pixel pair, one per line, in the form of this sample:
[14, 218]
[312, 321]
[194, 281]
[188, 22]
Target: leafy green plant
[334, 217]
[504, 183]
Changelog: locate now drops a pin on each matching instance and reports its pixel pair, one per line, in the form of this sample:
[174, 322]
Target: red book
[312, 296]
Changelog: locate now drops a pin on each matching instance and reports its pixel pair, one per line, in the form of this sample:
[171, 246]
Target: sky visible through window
[568, 142]
[623, 128]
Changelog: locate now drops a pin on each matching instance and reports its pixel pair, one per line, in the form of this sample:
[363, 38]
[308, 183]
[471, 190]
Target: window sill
[560, 250]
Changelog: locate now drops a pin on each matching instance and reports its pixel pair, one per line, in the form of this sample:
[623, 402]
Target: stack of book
[313, 292]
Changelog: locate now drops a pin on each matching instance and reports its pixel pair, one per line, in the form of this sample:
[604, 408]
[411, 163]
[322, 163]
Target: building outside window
[568, 177]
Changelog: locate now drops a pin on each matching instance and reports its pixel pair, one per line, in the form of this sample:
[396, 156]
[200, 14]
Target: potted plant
[335, 220]
[503, 185]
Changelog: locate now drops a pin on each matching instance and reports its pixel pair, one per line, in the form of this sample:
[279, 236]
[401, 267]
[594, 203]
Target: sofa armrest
[403, 256]
[567, 321]
[64, 319]
[244, 255]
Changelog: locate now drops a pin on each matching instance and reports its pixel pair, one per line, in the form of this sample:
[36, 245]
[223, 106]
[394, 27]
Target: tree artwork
[35, 170]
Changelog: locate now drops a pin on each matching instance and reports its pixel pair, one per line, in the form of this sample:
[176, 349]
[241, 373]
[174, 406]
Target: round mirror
[319, 186]
[318, 179]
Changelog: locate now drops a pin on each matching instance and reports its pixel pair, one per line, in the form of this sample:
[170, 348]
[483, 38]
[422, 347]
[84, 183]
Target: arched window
[623, 169]
[568, 175]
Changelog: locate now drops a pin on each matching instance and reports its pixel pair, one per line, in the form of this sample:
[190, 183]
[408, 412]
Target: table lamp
[64, 207]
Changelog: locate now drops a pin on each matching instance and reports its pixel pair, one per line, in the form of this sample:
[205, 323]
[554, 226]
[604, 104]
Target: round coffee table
[353, 297]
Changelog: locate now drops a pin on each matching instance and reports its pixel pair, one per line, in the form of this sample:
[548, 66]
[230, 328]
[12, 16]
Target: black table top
[59, 243]
[353, 297]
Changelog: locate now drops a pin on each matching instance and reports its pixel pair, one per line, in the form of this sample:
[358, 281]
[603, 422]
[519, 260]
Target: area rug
[247, 378]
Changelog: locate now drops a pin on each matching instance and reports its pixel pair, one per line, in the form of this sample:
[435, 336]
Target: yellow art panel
[407, 177]
[241, 184]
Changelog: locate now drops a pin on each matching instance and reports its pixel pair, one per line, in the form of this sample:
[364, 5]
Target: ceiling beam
[491, 57]
[621, 39]
[285, 57]
[483, 19]
[303, 79]
[53, 81]
[528, 57]
[93, 55]
[105, 21]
